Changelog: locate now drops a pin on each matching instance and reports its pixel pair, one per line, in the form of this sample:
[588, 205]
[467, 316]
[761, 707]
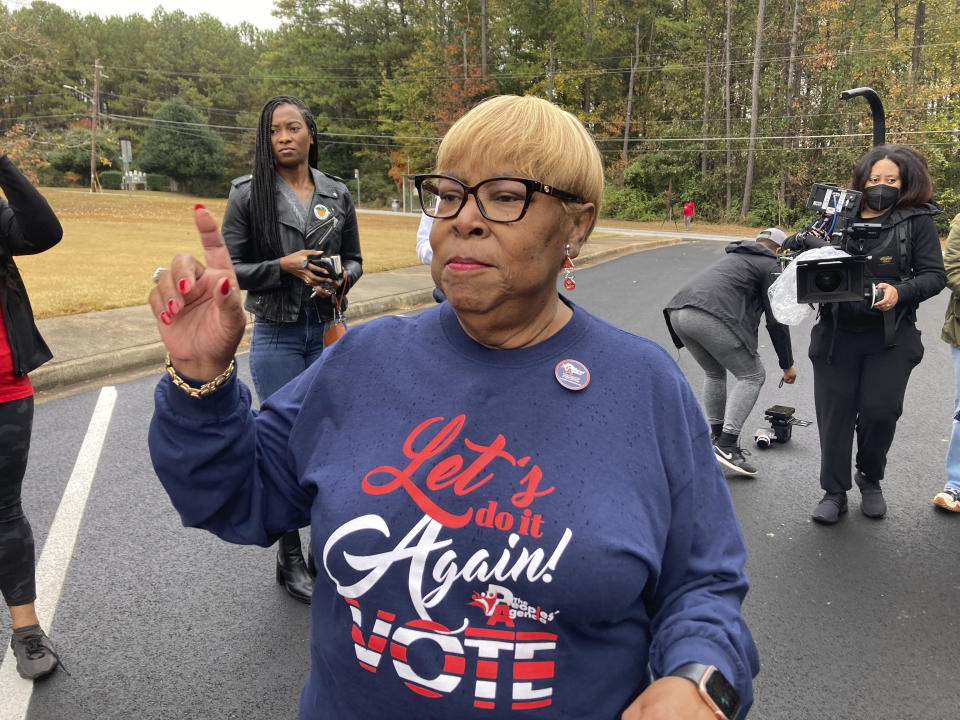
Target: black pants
[17, 580]
[858, 387]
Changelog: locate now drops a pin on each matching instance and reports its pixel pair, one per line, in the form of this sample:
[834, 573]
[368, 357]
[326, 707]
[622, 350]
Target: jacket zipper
[332, 224]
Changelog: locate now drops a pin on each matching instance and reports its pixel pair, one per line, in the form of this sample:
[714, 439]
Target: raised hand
[198, 309]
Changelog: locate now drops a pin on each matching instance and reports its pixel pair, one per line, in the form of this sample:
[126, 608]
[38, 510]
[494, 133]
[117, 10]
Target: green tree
[180, 145]
[72, 152]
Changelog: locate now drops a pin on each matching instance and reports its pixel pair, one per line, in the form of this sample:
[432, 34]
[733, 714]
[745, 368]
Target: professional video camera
[781, 421]
[835, 207]
[840, 278]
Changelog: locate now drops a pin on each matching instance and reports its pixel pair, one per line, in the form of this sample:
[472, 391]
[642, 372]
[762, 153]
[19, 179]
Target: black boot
[291, 569]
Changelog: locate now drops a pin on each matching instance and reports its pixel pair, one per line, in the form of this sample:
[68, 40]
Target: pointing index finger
[214, 249]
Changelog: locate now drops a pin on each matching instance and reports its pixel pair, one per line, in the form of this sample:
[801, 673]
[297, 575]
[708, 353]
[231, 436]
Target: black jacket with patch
[331, 229]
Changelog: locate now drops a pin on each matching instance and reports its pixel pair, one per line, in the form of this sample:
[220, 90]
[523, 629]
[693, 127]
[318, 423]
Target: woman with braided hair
[278, 224]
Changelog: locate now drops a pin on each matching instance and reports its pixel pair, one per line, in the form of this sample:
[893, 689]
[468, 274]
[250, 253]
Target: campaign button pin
[572, 374]
[321, 212]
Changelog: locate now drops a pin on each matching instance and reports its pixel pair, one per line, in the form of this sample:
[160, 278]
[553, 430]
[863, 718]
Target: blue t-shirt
[490, 542]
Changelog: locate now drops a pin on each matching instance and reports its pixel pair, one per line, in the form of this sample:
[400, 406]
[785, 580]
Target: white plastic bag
[783, 291]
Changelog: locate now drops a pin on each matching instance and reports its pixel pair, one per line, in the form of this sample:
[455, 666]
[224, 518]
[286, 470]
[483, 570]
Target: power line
[831, 148]
[569, 69]
[190, 128]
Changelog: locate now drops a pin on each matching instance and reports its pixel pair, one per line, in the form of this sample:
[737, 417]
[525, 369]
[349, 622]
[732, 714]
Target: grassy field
[113, 240]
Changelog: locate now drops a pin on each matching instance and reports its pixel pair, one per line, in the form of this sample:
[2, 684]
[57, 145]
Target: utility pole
[93, 126]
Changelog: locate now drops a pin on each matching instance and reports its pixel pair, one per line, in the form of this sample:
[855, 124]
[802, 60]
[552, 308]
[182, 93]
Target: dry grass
[113, 240]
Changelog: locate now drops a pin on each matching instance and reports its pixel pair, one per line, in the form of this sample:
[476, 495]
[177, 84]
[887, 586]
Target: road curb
[54, 375]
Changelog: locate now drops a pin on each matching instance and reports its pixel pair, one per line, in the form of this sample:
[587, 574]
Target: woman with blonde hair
[517, 532]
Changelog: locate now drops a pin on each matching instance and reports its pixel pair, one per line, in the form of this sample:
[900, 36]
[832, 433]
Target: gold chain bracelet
[204, 389]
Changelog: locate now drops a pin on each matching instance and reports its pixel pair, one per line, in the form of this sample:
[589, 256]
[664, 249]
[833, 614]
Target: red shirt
[12, 387]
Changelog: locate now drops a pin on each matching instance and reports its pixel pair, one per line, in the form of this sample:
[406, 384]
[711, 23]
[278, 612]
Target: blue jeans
[281, 351]
[953, 449]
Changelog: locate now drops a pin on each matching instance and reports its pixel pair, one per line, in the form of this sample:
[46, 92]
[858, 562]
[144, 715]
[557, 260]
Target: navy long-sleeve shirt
[489, 542]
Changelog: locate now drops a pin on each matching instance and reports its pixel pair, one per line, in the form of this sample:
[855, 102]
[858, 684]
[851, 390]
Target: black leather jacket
[273, 295]
[27, 226]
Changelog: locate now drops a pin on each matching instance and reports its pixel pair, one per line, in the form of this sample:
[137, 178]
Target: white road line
[57, 551]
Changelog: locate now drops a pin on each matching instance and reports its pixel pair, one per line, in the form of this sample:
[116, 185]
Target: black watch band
[714, 688]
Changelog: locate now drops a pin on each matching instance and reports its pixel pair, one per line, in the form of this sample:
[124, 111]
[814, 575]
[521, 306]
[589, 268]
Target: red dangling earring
[568, 280]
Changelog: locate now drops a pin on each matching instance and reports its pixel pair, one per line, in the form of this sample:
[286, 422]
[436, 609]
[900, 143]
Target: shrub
[111, 180]
[156, 181]
[51, 177]
[205, 187]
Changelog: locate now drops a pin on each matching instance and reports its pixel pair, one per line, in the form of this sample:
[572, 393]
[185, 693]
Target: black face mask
[881, 197]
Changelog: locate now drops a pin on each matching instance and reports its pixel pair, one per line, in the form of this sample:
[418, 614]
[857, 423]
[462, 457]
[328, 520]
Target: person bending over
[716, 316]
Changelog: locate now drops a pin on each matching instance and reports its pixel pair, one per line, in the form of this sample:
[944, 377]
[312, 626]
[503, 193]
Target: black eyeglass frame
[531, 185]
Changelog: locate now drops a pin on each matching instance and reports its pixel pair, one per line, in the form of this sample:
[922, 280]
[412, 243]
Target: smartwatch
[715, 689]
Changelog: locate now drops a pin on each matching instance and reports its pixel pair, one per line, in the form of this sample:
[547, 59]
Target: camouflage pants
[17, 581]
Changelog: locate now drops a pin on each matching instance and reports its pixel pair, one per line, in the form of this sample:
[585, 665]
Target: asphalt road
[854, 621]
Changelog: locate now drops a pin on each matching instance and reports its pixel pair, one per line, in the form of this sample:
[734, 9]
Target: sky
[229, 12]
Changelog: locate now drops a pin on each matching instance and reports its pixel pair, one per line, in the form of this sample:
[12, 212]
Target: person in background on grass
[278, 223]
[688, 207]
[716, 316]
[949, 498]
[475, 561]
[27, 226]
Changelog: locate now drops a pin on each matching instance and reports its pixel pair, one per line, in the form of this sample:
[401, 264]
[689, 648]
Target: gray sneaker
[872, 503]
[830, 508]
[35, 655]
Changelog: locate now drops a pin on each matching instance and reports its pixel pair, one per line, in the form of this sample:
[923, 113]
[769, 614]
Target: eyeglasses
[500, 199]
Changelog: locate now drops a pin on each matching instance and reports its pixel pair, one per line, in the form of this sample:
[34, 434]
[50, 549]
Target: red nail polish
[184, 286]
[174, 307]
[199, 206]
[165, 318]
[225, 286]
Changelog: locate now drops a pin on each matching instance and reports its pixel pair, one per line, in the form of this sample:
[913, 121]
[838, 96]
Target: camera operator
[863, 353]
[716, 316]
